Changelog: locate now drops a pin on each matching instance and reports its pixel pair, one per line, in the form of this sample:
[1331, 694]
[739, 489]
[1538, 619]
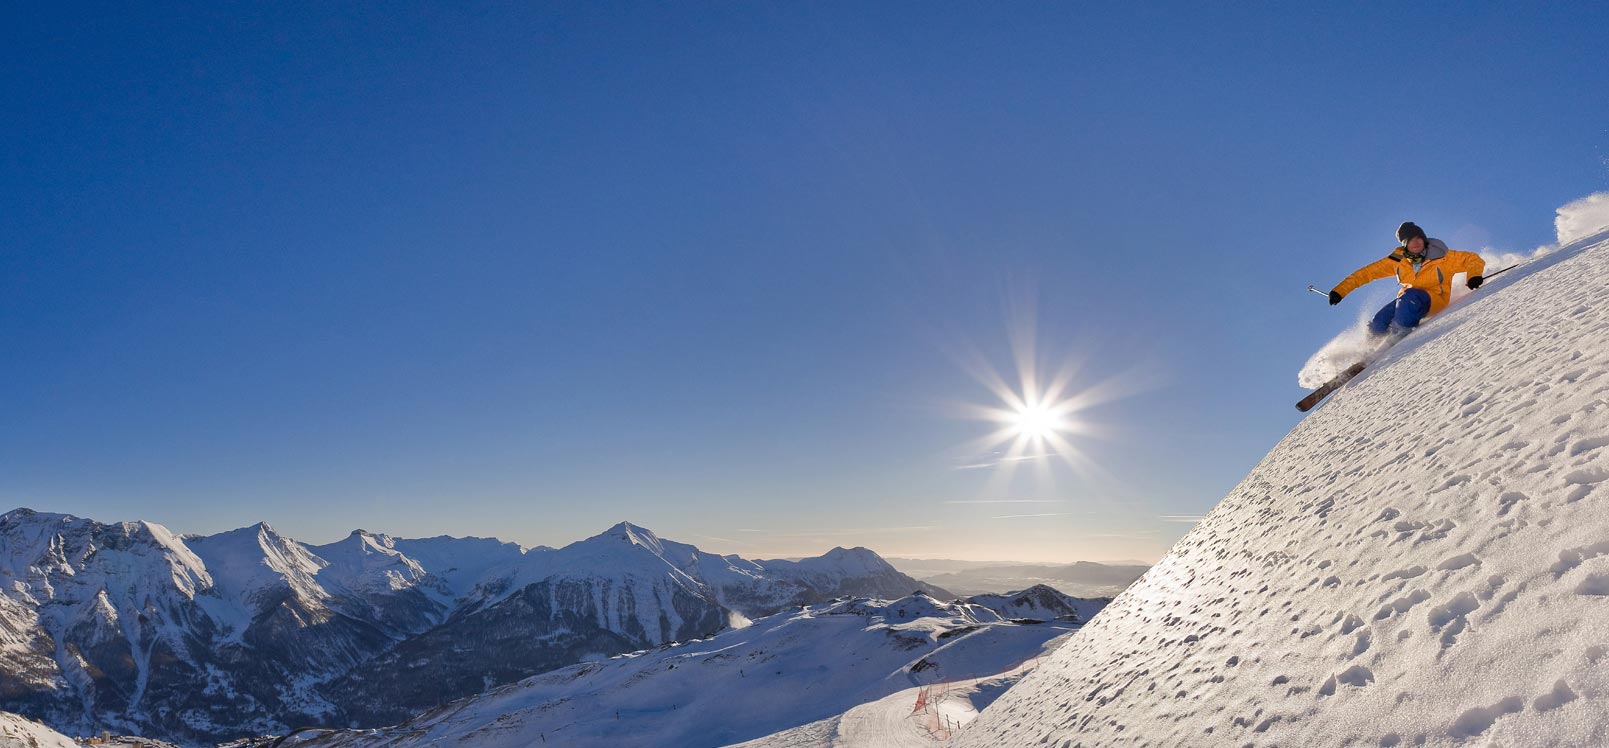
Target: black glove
[1335, 298]
[1475, 282]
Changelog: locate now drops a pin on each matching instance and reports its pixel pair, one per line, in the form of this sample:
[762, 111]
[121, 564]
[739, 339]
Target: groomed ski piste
[1422, 561]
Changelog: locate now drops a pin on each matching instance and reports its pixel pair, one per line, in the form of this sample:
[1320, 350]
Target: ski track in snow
[1422, 561]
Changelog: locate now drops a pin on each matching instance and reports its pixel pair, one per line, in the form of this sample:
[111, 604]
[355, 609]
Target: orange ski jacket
[1434, 274]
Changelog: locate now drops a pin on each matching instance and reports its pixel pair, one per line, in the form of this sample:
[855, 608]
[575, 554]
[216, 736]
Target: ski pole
[1325, 294]
[1500, 272]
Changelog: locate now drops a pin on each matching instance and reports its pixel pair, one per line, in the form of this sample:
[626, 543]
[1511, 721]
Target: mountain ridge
[240, 632]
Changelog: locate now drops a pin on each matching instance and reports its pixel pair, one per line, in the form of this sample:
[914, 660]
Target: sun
[1035, 419]
[1038, 422]
[1037, 416]
[1031, 424]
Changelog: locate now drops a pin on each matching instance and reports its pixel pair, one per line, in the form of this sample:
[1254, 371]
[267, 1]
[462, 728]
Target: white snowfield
[784, 670]
[17, 731]
[1423, 561]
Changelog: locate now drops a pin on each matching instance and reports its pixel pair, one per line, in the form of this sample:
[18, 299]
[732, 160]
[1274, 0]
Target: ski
[1315, 396]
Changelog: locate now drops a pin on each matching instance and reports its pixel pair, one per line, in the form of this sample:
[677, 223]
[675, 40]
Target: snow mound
[1422, 561]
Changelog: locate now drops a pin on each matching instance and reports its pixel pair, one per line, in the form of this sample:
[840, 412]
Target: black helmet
[1409, 230]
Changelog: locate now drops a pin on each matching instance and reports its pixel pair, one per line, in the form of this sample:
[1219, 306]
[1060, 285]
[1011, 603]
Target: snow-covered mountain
[1423, 561]
[1041, 603]
[625, 589]
[131, 628]
[782, 671]
[102, 621]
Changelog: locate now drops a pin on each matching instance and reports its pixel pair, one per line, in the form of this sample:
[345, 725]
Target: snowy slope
[1424, 560]
[782, 671]
[20, 732]
[918, 717]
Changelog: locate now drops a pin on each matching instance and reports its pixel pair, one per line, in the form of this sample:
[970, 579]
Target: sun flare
[1037, 422]
[1032, 422]
[1037, 414]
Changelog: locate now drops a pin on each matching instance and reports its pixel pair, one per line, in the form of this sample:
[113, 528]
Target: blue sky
[529, 270]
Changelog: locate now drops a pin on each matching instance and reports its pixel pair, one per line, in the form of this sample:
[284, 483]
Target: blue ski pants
[1402, 314]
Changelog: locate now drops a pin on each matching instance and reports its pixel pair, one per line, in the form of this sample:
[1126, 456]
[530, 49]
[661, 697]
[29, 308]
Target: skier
[1425, 268]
